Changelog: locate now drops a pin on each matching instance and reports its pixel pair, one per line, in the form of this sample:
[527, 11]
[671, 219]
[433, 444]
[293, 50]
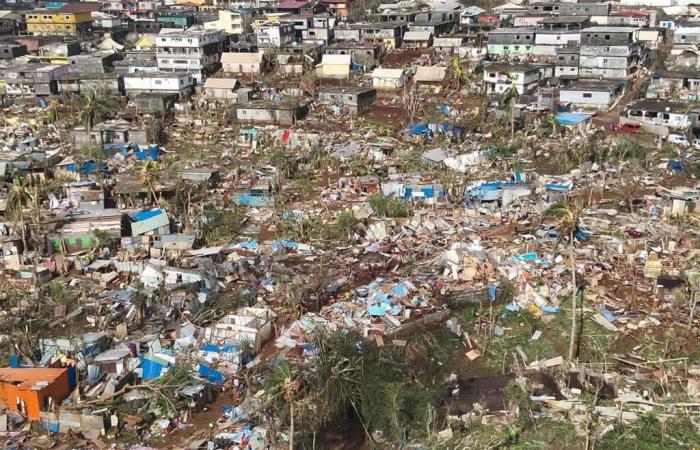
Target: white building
[158, 82]
[194, 51]
[388, 78]
[591, 95]
[499, 78]
[660, 112]
[279, 34]
[243, 63]
[231, 22]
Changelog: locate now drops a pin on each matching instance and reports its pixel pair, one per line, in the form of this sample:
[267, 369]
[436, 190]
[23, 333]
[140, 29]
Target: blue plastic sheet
[211, 375]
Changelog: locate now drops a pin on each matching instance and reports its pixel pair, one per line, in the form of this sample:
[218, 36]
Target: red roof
[81, 7]
[291, 4]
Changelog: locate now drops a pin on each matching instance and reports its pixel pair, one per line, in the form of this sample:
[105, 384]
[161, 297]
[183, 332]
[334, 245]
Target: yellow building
[50, 22]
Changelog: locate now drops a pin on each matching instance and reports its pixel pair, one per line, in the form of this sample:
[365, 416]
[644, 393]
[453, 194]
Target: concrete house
[556, 32]
[34, 79]
[348, 100]
[683, 84]
[417, 39]
[334, 66]
[360, 53]
[115, 131]
[264, 112]
[343, 34]
[235, 21]
[685, 36]
[11, 51]
[221, 88]
[279, 34]
[566, 62]
[243, 63]
[664, 113]
[388, 78]
[592, 95]
[319, 31]
[98, 62]
[570, 9]
[511, 41]
[158, 82]
[609, 52]
[194, 51]
[388, 34]
[437, 21]
[499, 77]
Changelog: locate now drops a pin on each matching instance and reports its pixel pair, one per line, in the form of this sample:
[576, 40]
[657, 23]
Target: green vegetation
[391, 207]
[222, 225]
[652, 432]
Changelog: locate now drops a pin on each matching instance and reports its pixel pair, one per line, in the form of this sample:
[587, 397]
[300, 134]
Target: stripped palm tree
[284, 387]
[508, 99]
[456, 74]
[568, 215]
[148, 177]
[18, 196]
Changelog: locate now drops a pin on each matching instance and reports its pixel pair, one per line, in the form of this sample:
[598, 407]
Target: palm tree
[568, 214]
[96, 107]
[148, 177]
[549, 127]
[52, 112]
[456, 74]
[507, 100]
[479, 37]
[18, 196]
[284, 387]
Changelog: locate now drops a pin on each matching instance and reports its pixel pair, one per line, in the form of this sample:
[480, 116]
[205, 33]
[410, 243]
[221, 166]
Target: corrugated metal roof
[417, 36]
[241, 58]
[387, 73]
[220, 83]
[430, 73]
[343, 60]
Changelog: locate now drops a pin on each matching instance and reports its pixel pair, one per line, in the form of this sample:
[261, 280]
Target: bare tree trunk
[291, 425]
[572, 340]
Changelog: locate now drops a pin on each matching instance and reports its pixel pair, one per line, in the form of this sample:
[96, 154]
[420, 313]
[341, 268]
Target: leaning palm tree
[284, 388]
[96, 107]
[508, 99]
[18, 196]
[568, 216]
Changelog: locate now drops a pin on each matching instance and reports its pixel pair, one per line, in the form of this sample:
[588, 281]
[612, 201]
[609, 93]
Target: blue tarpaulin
[674, 165]
[418, 128]
[251, 199]
[211, 375]
[284, 244]
[91, 166]
[568, 118]
[558, 187]
[150, 369]
[144, 215]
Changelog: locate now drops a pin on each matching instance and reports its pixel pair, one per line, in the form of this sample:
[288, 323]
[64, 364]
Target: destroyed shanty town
[348, 224]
